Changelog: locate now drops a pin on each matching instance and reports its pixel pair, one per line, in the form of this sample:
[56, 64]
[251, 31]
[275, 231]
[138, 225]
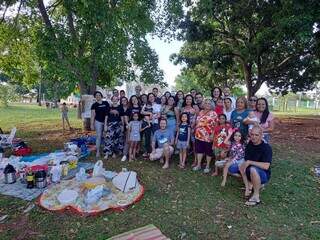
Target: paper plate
[122, 203]
[67, 196]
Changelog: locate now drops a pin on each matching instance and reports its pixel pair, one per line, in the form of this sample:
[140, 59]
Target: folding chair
[7, 140]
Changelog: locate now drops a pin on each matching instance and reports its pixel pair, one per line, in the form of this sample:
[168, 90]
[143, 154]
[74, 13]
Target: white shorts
[159, 153]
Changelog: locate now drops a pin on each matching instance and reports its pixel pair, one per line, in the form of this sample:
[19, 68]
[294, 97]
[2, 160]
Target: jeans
[99, 130]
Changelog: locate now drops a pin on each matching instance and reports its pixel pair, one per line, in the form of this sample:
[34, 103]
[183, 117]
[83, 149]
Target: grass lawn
[181, 203]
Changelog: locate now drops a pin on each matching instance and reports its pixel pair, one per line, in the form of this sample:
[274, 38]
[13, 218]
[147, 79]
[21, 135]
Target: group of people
[233, 132]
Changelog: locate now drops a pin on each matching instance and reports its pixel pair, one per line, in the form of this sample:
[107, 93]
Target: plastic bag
[81, 175]
[98, 170]
[56, 173]
[94, 195]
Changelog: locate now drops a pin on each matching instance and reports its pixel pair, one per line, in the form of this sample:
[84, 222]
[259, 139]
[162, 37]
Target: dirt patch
[301, 134]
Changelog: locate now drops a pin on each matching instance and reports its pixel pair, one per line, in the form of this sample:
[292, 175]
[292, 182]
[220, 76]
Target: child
[236, 157]
[183, 138]
[219, 146]
[253, 120]
[146, 130]
[219, 106]
[134, 135]
[64, 115]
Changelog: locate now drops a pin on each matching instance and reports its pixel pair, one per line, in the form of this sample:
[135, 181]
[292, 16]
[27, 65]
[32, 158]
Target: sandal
[252, 202]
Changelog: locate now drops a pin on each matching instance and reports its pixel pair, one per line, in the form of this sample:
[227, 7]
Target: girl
[219, 136]
[64, 114]
[134, 135]
[219, 106]
[183, 138]
[146, 132]
[228, 108]
[236, 155]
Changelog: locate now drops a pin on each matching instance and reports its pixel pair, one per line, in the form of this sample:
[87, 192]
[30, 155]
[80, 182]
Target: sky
[164, 50]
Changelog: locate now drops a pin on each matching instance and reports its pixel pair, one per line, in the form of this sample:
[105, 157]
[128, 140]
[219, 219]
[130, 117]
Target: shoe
[196, 168]
[206, 170]
[124, 158]
[106, 157]
[220, 163]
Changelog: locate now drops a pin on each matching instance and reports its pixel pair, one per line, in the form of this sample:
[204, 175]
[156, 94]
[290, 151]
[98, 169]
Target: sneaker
[124, 158]
[220, 163]
[206, 170]
[106, 157]
[196, 168]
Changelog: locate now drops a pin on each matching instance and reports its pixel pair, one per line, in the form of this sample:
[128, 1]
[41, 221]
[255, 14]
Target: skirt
[114, 139]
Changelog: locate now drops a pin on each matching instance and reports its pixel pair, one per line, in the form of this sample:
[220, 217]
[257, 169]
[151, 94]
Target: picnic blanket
[115, 200]
[19, 190]
[149, 232]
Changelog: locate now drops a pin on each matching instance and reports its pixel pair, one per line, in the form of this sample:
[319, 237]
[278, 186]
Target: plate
[67, 196]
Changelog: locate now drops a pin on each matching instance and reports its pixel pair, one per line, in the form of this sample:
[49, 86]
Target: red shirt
[220, 134]
[219, 110]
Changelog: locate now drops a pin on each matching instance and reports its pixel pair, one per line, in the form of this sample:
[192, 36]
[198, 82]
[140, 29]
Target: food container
[41, 179]
[9, 174]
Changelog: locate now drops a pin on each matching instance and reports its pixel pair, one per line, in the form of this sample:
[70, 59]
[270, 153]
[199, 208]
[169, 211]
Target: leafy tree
[254, 41]
[84, 43]
[7, 94]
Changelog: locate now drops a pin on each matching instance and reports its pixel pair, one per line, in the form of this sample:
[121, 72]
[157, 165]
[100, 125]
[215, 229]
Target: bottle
[30, 180]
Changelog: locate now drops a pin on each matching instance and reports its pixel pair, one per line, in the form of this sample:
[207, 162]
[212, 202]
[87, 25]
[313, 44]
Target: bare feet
[223, 183]
[165, 166]
[214, 174]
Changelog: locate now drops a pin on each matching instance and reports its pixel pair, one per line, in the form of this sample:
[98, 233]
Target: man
[199, 100]
[255, 171]
[193, 93]
[115, 92]
[138, 90]
[155, 91]
[227, 94]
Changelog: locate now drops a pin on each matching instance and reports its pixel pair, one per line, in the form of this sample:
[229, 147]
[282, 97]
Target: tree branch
[4, 13]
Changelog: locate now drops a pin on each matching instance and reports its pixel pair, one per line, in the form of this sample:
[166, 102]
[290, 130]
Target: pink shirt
[267, 124]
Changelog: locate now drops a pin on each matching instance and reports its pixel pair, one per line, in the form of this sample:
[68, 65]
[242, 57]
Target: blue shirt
[237, 121]
[183, 132]
[162, 136]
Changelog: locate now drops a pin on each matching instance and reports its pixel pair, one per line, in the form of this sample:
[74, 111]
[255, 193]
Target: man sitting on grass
[255, 170]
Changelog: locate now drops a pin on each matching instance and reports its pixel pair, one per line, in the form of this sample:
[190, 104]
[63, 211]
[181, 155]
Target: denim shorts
[262, 173]
[182, 145]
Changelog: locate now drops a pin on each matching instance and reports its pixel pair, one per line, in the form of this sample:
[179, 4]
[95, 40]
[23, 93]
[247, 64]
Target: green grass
[180, 203]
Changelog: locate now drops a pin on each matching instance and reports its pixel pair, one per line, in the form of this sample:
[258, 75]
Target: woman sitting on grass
[164, 140]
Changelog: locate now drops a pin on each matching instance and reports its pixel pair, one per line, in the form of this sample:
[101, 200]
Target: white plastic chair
[7, 140]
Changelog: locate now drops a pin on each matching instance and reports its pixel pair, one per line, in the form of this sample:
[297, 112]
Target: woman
[167, 94]
[239, 114]
[99, 111]
[114, 135]
[227, 110]
[153, 110]
[192, 110]
[179, 98]
[164, 140]
[204, 129]
[216, 93]
[252, 103]
[266, 118]
[163, 102]
[143, 99]
[125, 116]
[171, 113]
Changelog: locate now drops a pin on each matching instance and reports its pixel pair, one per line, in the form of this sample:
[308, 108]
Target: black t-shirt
[135, 110]
[259, 153]
[101, 110]
[158, 100]
[183, 132]
[125, 112]
[146, 124]
[115, 117]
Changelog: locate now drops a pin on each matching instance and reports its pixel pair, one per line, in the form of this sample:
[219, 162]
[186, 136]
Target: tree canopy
[83, 43]
[252, 41]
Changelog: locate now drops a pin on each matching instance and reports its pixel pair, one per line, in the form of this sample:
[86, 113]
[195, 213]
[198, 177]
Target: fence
[292, 105]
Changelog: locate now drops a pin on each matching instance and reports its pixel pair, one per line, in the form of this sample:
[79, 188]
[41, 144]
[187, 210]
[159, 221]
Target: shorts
[159, 153]
[234, 168]
[264, 178]
[204, 147]
[182, 145]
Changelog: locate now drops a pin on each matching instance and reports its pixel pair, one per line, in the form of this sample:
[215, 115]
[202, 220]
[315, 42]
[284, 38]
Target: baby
[253, 120]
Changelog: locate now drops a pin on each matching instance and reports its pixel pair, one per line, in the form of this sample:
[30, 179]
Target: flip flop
[252, 202]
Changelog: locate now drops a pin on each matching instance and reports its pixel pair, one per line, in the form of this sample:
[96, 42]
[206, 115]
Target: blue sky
[164, 50]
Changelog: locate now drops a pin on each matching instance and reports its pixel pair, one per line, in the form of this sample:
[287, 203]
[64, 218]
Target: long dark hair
[185, 101]
[242, 141]
[176, 96]
[220, 91]
[130, 101]
[174, 102]
[149, 94]
[266, 112]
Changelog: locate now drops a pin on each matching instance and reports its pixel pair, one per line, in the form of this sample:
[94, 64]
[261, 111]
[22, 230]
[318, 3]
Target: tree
[85, 43]
[254, 41]
[7, 94]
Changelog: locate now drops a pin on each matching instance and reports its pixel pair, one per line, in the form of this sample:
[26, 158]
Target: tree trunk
[248, 79]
